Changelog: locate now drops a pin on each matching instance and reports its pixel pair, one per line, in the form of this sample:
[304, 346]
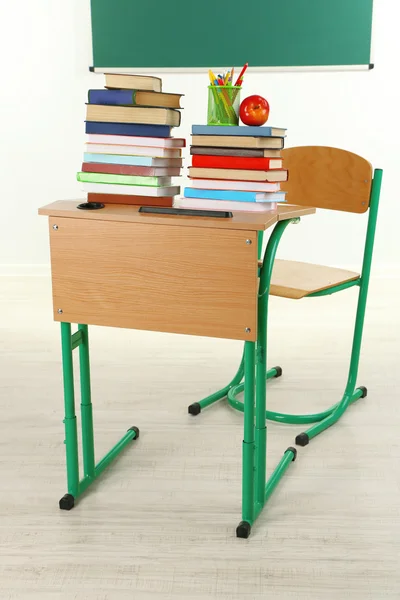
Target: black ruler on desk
[188, 212]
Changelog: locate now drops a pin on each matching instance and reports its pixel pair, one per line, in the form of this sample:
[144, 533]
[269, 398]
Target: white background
[46, 50]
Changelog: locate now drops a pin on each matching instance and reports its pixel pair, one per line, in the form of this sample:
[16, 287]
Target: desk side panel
[155, 277]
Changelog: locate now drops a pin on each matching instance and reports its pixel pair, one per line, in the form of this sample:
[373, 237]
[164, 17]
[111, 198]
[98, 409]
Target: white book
[129, 140]
[133, 150]
[130, 190]
[240, 186]
[200, 204]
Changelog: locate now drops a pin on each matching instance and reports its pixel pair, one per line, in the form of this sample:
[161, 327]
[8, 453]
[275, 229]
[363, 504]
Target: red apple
[254, 110]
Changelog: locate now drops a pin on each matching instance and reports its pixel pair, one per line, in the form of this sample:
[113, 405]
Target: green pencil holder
[223, 105]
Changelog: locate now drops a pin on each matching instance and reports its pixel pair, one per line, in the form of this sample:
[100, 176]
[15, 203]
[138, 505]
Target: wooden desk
[121, 268]
[118, 267]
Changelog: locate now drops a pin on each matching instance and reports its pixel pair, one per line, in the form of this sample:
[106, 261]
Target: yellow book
[133, 114]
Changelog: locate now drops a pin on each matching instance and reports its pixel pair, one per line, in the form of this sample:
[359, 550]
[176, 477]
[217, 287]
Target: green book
[123, 179]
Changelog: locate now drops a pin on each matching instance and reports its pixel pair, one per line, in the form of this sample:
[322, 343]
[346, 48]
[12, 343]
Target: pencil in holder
[223, 105]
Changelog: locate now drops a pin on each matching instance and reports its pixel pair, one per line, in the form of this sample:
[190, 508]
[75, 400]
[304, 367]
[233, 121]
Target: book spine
[220, 195]
[133, 114]
[131, 190]
[243, 186]
[133, 200]
[230, 162]
[122, 179]
[208, 150]
[118, 159]
[132, 129]
[239, 130]
[112, 97]
[119, 169]
[127, 150]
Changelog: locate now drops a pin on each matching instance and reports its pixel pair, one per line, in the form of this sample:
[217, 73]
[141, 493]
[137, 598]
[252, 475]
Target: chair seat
[296, 280]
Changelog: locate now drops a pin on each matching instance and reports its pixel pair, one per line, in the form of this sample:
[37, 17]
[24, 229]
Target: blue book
[136, 161]
[161, 131]
[234, 195]
[112, 97]
[244, 130]
[134, 98]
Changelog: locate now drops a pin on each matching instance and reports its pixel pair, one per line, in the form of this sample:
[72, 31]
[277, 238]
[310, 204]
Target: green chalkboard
[205, 33]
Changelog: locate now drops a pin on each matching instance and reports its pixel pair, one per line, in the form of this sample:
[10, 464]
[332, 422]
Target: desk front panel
[168, 278]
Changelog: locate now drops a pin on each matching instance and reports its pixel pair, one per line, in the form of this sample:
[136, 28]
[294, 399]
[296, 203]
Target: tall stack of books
[235, 168]
[130, 156]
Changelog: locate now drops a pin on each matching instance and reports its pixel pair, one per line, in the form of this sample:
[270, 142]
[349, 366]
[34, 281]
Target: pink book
[133, 150]
[128, 140]
[244, 186]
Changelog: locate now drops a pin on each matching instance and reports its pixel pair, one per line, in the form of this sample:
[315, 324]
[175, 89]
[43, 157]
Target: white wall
[46, 51]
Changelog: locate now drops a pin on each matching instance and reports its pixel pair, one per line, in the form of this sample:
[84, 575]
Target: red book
[236, 162]
[130, 170]
[134, 200]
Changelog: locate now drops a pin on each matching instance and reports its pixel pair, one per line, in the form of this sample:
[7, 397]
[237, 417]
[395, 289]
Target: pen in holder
[223, 105]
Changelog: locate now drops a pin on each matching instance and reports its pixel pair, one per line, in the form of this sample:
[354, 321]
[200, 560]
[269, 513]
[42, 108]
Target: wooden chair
[324, 178]
[321, 177]
[333, 179]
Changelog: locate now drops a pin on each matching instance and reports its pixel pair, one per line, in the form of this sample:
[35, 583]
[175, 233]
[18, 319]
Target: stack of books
[130, 156]
[235, 168]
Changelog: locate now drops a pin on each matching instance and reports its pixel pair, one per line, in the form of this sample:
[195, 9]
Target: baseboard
[25, 270]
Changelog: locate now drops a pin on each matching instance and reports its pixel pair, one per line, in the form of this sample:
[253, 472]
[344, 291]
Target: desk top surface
[123, 212]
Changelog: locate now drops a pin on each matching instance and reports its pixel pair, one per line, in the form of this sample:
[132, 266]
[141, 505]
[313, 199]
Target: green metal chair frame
[253, 368]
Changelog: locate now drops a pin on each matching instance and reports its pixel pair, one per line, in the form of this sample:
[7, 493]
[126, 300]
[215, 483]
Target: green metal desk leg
[262, 490]
[196, 408]
[261, 399]
[86, 405]
[71, 436]
[261, 395]
[244, 528]
[77, 487]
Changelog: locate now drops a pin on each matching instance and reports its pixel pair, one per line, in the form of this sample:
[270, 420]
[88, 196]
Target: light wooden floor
[160, 523]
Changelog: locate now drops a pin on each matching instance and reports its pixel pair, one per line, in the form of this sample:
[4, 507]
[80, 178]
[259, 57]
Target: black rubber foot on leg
[364, 391]
[194, 409]
[243, 530]
[291, 449]
[136, 430]
[278, 371]
[302, 439]
[67, 502]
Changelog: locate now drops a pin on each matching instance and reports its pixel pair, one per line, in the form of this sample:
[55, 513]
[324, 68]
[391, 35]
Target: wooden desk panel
[197, 281]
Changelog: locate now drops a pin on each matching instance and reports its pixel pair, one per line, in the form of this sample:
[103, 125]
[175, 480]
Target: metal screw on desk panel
[248, 242]
[60, 311]
[247, 329]
[55, 227]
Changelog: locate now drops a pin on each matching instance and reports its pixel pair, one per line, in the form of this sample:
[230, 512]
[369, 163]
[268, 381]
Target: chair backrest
[326, 177]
